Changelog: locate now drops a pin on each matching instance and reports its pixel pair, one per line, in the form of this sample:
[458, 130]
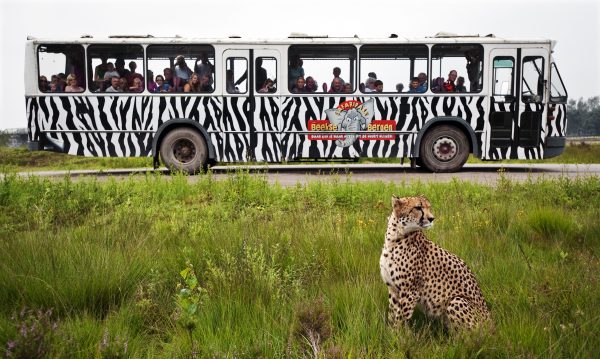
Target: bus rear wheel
[184, 149]
[444, 149]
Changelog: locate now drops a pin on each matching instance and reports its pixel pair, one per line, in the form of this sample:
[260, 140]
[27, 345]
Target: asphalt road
[290, 175]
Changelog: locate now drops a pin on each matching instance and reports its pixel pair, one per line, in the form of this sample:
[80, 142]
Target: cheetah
[419, 272]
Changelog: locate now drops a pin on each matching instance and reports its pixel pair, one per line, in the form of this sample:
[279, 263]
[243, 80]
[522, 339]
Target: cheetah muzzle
[419, 272]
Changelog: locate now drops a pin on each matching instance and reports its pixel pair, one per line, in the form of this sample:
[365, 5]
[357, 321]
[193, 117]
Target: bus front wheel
[184, 149]
[444, 149]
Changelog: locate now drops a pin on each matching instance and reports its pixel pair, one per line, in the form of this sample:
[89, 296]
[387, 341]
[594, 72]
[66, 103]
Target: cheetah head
[412, 213]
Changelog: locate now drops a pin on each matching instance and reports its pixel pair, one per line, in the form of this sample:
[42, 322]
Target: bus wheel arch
[178, 141]
[444, 144]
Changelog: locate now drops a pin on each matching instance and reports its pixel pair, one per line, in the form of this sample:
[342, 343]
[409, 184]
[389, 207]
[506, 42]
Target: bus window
[320, 62]
[106, 62]
[162, 60]
[503, 76]
[266, 68]
[236, 75]
[558, 93]
[59, 62]
[394, 65]
[533, 79]
[457, 68]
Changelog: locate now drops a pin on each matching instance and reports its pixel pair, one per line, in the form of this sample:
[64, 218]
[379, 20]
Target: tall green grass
[106, 257]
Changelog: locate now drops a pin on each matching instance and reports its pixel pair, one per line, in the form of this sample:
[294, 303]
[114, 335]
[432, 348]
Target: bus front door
[517, 103]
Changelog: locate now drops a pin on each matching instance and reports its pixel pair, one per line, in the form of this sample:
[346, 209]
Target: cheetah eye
[418, 208]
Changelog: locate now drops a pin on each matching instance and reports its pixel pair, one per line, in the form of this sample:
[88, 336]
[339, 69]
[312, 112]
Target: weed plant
[290, 272]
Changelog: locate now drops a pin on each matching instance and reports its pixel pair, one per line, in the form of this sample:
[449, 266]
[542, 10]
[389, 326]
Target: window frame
[82, 79]
[481, 85]
[91, 68]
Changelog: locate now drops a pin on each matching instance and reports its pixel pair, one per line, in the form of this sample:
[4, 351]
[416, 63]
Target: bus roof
[295, 38]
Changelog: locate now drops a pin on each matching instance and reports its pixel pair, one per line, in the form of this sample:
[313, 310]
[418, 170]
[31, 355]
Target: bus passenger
[123, 84]
[300, 85]
[438, 85]
[399, 87]
[161, 85]
[460, 84]
[72, 84]
[120, 67]
[205, 83]
[203, 66]
[115, 85]
[261, 73]
[110, 71]
[449, 84]
[182, 70]
[415, 86]
[193, 85]
[422, 82]
[378, 86]
[43, 83]
[296, 70]
[267, 87]
[100, 70]
[132, 74]
[311, 85]
[370, 85]
[173, 82]
[137, 85]
[348, 87]
[336, 74]
[336, 86]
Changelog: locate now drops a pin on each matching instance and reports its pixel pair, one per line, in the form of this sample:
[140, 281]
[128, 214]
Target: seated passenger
[300, 85]
[115, 85]
[137, 85]
[267, 87]
[336, 74]
[43, 84]
[123, 84]
[72, 85]
[369, 85]
[110, 71]
[460, 84]
[132, 74]
[378, 86]
[311, 85]
[399, 87]
[449, 84]
[161, 85]
[348, 87]
[193, 84]
[205, 83]
[422, 82]
[173, 82]
[438, 85]
[336, 86]
[415, 86]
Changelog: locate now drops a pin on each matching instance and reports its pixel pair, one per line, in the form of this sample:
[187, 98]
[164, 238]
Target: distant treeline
[584, 117]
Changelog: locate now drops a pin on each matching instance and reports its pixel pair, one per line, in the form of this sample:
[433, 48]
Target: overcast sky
[574, 24]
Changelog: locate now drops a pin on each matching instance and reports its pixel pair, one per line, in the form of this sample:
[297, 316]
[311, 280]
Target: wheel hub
[184, 150]
[445, 148]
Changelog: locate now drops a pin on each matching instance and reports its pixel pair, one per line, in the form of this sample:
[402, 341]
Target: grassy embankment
[106, 258]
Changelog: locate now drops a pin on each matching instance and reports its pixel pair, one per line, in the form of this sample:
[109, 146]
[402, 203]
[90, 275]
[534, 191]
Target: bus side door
[237, 106]
[268, 120]
[503, 103]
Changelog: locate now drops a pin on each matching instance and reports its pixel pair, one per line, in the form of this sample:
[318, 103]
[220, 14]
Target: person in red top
[449, 85]
[132, 74]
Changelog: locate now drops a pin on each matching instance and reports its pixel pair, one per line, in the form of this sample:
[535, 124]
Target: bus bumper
[554, 146]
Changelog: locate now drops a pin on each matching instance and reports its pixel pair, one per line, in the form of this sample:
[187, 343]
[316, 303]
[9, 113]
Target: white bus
[191, 102]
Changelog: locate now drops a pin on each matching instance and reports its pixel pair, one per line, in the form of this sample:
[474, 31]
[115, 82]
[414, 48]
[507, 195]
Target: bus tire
[184, 149]
[444, 148]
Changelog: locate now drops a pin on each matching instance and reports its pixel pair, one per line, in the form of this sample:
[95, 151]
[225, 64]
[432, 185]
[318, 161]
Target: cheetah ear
[397, 201]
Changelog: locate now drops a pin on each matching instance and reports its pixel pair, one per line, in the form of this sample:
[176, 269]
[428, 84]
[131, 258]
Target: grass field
[106, 258]
[20, 159]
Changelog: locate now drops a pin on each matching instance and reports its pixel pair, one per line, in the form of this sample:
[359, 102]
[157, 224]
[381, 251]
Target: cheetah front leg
[401, 306]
